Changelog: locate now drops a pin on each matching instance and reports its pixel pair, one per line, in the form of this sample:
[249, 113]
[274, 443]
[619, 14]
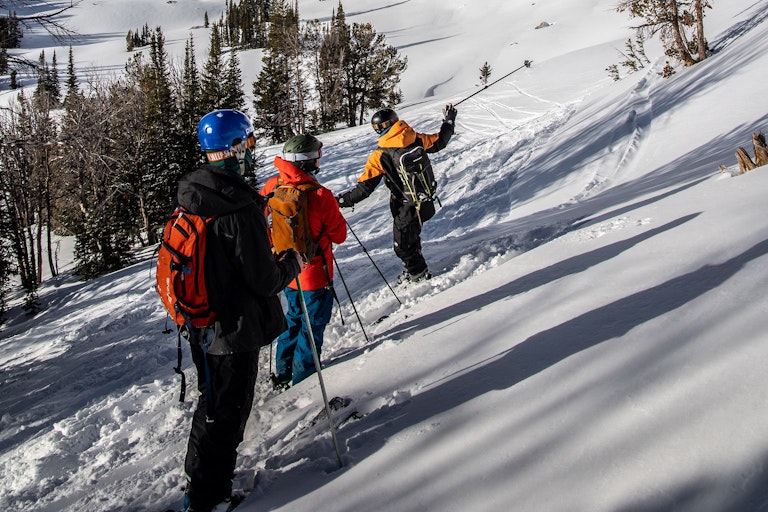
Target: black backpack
[419, 187]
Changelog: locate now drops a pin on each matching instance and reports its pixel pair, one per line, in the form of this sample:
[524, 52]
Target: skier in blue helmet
[243, 280]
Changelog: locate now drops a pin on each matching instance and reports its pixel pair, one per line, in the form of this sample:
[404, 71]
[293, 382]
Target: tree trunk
[745, 162]
[151, 238]
[677, 33]
[761, 151]
[48, 216]
[698, 10]
[39, 246]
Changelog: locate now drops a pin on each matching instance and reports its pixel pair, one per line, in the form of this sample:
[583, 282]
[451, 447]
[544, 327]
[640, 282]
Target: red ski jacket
[325, 221]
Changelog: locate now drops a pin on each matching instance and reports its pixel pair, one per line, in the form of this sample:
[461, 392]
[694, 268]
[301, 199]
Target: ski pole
[354, 308]
[374, 263]
[526, 64]
[316, 358]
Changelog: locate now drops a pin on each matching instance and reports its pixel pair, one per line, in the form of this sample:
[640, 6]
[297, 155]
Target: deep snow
[594, 336]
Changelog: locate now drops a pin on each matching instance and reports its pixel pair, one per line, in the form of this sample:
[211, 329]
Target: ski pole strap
[178, 369]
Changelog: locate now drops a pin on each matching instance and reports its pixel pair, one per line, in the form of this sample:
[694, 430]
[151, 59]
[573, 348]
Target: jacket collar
[290, 174]
[400, 135]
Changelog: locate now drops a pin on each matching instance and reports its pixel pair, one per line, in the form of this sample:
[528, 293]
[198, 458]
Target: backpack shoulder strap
[308, 186]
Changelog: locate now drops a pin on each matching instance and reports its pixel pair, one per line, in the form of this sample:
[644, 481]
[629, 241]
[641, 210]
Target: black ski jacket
[241, 274]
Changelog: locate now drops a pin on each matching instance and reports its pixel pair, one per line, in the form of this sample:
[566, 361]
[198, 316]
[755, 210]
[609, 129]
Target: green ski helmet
[304, 151]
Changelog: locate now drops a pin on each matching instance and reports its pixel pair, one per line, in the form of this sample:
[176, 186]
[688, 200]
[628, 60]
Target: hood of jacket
[400, 135]
[290, 174]
[210, 191]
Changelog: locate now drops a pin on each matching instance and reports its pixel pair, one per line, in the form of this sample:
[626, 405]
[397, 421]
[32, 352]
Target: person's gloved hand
[343, 203]
[449, 113]
[292, 255]
[301, 259]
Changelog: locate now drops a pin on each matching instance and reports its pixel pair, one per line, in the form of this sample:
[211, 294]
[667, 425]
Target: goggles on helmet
[238, 147]
[299, 157]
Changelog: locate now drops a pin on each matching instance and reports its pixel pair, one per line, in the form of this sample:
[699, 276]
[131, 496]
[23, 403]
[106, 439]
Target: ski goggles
[239, 146]
[382, 127]
[300, 157]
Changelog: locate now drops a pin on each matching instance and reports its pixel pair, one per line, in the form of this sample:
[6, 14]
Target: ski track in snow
[638, 120]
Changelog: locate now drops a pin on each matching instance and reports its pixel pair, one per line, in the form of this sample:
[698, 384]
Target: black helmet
[383, 119]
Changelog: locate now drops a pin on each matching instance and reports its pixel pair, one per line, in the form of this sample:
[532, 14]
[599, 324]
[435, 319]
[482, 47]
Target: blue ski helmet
[220, 129]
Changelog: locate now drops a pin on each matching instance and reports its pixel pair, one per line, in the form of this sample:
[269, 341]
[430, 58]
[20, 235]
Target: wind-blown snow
[594, 338]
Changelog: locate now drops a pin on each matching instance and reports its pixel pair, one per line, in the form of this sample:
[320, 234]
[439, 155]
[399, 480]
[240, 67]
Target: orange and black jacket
[382, 165]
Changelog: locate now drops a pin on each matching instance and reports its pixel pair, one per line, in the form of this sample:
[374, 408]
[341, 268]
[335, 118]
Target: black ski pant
[218, 423]
[407, 234]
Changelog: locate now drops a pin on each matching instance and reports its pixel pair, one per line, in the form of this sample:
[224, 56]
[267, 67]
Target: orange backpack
[290, 219]
[180, 269]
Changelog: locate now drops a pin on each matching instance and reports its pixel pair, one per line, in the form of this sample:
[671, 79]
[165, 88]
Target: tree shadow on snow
[531, 281]
[546, 349]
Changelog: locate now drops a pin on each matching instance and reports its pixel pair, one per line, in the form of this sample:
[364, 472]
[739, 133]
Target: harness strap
[178, 369]
[207, 339]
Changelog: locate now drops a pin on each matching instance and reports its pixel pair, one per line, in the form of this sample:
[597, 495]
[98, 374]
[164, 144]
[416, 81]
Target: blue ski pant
[294, 352]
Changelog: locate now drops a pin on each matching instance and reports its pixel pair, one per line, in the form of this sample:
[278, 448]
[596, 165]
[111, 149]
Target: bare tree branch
[47, 20]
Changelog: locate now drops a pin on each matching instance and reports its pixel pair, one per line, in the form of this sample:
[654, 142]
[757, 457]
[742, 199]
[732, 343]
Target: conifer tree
[190, 109]
[3, 61]
[273, 95]
[161, 159]
[232, 85]
[211, 92]
[71, 77]
[41, 91]
[189, 95]
[485, 73]
[330, 71]
[10, 31]
[295, 50]
[53, 86]
[372, 72]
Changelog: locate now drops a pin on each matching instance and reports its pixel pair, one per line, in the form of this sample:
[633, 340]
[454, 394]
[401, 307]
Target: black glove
[293, 257]
[449, 113]
[343, 202]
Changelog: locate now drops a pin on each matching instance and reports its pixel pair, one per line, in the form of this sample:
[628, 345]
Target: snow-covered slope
[594, 338]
